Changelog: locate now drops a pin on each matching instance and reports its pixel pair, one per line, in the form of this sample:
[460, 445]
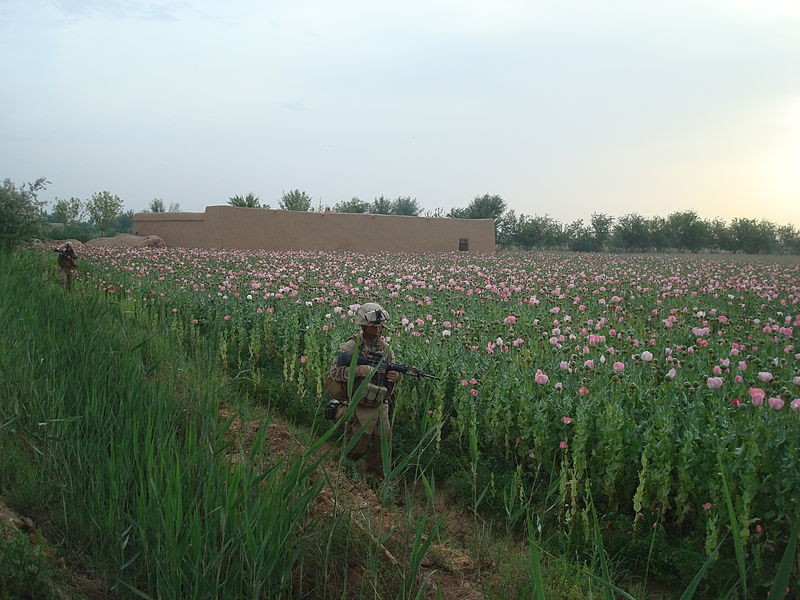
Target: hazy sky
[562, 108]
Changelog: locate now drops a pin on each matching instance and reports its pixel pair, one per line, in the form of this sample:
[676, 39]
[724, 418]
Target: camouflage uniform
[67, 261]
[367, 413]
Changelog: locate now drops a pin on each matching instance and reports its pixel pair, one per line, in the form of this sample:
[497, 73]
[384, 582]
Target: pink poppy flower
[757, 396]
[776, 403]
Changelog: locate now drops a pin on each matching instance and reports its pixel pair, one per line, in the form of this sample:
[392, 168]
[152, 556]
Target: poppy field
[652, 387]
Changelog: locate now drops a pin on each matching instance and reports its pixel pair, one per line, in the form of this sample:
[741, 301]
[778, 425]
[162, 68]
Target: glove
[392, 376]
[332, 408]
[363, 370]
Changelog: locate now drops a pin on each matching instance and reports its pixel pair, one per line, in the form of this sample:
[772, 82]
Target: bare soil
[447, 570]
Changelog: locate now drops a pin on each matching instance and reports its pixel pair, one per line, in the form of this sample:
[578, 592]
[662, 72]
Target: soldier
[374, 404]
[67, 261]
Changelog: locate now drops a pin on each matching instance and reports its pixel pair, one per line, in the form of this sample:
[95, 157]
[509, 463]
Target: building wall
[183, 230]
[257, 228]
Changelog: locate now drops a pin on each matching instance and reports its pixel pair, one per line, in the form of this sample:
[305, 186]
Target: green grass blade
[781, 581]
[537, 581]
[688, 593]
[737, 535]
[601, 551]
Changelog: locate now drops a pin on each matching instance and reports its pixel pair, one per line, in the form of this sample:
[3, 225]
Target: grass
[120, 453]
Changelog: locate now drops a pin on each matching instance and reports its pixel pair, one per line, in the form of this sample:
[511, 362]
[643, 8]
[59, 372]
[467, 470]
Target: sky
[562, 108]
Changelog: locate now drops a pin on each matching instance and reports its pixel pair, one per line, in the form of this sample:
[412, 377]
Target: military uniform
[370, 408]
[67, 261]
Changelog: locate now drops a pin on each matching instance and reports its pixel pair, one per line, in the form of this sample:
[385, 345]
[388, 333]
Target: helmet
[371, 313]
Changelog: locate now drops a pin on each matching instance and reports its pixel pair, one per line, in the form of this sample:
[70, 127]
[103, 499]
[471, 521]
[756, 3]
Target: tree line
[301, 201]
[23, 216]
[682, 231]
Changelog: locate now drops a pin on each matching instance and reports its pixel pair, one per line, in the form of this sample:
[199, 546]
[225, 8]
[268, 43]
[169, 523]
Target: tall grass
[96, 440]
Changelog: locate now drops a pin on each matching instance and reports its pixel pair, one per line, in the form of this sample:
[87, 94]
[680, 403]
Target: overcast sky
[562, 108]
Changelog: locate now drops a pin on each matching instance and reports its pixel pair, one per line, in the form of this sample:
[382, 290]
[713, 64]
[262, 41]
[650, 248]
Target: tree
[353, 205]
[406, 205]
[69, 212]
[21, 212]
[601, 229]
[381, 206]
[436, 213]
[125, 222]
[581, 238]
[720, 235]
[104, 208]
[176, 207]
[688, 231]
[295, 200]
[658, 233]
[789, 238]
[482, 207]
[530, 232]
[248, 201]
[753, 236]
[507, 228]
[488, 206]
[157, 205]
[631, 232]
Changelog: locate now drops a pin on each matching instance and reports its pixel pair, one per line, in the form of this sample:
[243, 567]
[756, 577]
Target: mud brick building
[224, 227]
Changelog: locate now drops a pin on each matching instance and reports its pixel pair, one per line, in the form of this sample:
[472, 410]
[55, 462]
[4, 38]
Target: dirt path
[447, 570]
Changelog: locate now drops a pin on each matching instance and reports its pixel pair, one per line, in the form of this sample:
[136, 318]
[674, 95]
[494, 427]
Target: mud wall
[256, 228]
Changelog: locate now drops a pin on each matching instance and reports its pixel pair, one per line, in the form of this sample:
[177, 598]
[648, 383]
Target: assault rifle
[375, 359]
